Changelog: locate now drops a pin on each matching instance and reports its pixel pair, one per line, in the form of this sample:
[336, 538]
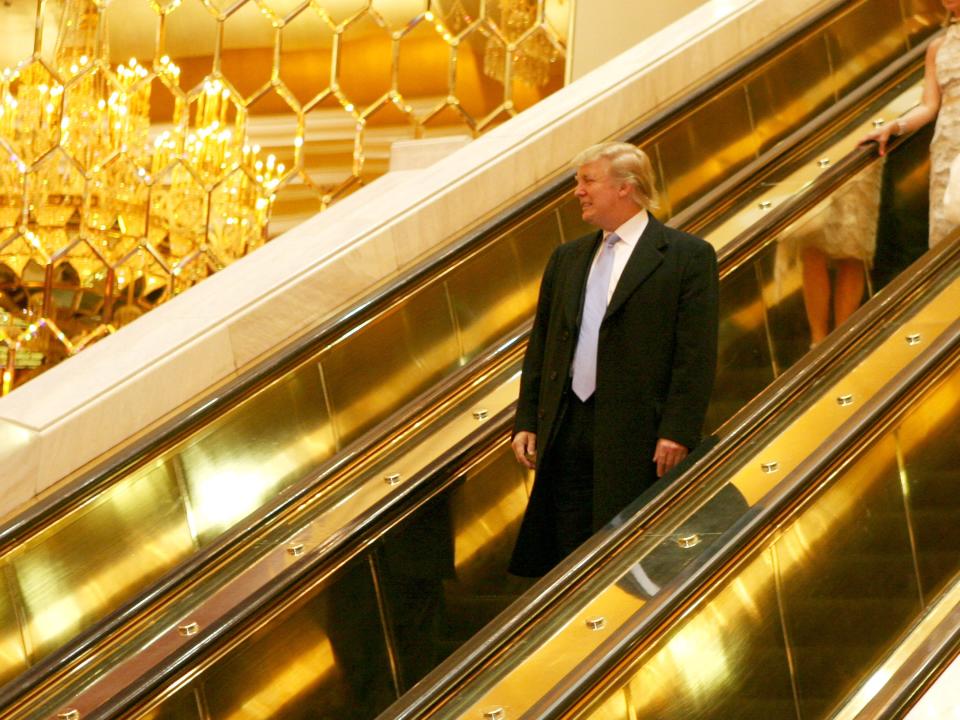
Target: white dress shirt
[629, 234]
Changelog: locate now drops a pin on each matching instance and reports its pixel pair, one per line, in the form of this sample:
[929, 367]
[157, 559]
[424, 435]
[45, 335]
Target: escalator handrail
[41, 512]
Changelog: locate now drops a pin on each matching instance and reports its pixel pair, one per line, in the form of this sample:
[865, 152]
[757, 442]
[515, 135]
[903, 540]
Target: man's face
[602, 198]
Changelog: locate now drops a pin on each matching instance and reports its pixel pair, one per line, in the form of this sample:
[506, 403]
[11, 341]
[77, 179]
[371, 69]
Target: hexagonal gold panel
[145, 145]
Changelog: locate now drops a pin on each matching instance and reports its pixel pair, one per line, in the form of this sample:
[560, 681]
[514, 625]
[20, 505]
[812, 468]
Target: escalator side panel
[744, 364]
[485, 512]
[791, 92]
[132, 535]
[496, 291]
[400, 353]
[285, 427]
[715, 141]
[326, 657]
[931, 471]
[861, 41]
[848, 580]
[729, 661]
[13, 656]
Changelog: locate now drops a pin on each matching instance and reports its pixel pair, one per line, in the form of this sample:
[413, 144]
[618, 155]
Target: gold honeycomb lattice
[145, 144]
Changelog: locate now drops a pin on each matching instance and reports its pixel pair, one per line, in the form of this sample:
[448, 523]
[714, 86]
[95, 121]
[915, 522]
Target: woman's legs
[850, 281]
[816, 292]
[851, 278]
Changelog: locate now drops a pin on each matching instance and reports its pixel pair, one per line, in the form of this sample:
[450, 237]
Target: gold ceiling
[145, 144]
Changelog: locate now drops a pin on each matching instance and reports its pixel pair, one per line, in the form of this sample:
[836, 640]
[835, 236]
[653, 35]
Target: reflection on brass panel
[744, 367]
[13, 659]
[930, 443]
[397, 355]
[728, 661]
[863, 40]
[182, 706]
[920, 16]
[486, 511]
[715, 141]
[781, 280]
[86, 566]
[848, 580]
[495, 291]
[791, 90]
[324, 658]
[249, 454]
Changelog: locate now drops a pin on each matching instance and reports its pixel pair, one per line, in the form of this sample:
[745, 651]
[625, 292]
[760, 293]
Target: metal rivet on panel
[188, 629]
[69, 714]
[913, 339]
[688, 541]
[494, 713]
[597, 622]
[295, 549]
[845, 400]
[823, 162]
[770, 467]
[765, 204]
[480, 414]
[392, 478]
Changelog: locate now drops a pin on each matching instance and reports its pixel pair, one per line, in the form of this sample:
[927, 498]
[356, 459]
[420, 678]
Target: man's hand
[667, 454]
[525, 448]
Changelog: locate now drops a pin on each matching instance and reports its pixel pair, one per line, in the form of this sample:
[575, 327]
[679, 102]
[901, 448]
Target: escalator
[193, 484]
[338, 631]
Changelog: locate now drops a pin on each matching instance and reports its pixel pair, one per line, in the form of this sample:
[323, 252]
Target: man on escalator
[620, 362]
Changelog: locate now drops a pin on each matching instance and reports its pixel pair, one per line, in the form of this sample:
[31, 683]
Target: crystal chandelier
[104, 214]
[532, 56]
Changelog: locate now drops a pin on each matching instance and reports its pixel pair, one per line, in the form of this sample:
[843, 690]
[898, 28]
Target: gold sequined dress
[945, 145]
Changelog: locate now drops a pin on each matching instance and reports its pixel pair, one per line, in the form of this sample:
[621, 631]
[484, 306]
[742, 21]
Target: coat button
[553, 375]
[566, 335]
[540, 414]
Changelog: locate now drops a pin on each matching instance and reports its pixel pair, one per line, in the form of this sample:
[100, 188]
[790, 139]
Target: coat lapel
[579, 268]
[644, 259]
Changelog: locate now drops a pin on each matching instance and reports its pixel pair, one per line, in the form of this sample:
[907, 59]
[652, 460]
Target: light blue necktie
[594, 308]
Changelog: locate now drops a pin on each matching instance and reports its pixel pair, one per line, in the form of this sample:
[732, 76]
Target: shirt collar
[632, 229]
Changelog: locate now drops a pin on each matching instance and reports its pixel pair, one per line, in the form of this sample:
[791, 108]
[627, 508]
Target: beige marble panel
[94, 401]
[19, 465]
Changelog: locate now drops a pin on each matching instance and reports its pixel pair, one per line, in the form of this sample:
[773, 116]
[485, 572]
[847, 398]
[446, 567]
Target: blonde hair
[627, 163]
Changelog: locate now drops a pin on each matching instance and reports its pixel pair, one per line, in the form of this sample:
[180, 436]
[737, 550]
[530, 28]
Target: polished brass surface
[323, 658]
[144, 147]
[398, 355]
[246, 456]
[69, 576]
[13, 651]
[287, 428]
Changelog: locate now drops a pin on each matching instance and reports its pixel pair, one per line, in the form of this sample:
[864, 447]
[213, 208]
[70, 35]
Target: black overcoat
[656, 361]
